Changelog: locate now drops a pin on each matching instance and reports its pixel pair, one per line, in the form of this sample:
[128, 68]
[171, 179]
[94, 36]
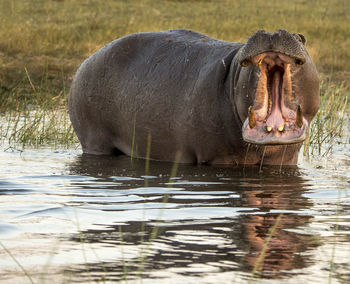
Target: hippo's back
[153, 78]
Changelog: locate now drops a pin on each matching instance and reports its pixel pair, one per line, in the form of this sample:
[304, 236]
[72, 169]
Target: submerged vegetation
[35, 119]
[43, 43]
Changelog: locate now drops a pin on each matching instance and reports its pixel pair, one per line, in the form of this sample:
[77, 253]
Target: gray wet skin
[187, 96]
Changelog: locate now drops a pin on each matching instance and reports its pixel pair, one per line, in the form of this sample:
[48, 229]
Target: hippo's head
[282, 94]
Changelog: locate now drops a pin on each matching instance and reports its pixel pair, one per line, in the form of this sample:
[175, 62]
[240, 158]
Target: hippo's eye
[245, 62]
[299, 62]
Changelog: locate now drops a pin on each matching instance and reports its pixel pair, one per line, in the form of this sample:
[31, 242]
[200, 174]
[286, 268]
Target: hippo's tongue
[275, 119]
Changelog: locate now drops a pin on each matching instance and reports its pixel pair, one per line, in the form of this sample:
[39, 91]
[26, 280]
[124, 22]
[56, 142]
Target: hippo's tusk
[299, 119]
[281, 128]
[269, 128]
[251, 115]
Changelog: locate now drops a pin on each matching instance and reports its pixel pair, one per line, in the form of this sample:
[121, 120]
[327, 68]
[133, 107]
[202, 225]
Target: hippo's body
[181, 93]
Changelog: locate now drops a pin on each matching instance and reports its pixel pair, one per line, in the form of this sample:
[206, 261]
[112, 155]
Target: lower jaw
[275, 141]
[259, 136]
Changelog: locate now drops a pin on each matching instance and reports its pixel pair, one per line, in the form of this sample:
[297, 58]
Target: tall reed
[330, 126]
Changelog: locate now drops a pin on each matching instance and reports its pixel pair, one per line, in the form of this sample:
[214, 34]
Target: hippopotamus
[181, 95]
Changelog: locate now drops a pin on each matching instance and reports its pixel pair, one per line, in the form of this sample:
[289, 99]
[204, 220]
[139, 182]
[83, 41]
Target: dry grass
[51, 38]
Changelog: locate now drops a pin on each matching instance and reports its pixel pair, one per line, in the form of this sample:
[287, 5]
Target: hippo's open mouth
[275, 117]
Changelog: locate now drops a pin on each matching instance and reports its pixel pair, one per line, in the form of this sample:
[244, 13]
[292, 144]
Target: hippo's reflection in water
[220, 220]
[286, 246]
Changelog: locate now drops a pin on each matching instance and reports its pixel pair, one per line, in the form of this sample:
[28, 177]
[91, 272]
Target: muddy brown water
[67, 218]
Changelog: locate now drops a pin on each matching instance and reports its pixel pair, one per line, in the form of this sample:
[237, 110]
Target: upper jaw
[275, 118]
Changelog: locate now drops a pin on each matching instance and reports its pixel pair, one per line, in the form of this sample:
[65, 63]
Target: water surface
[66, 218]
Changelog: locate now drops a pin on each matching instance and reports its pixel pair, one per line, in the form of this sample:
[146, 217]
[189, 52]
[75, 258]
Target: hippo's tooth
[281, 128]
[269, 128]
[286, 119]
[251, 115]
[299, 119]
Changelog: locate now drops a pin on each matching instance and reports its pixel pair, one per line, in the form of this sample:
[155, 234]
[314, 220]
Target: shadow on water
[214, 219]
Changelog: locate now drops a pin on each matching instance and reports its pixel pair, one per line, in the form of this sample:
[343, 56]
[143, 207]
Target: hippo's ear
[300, 37]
